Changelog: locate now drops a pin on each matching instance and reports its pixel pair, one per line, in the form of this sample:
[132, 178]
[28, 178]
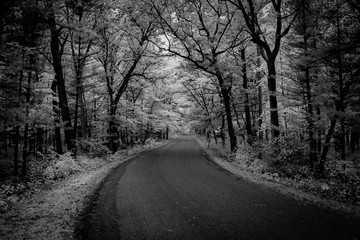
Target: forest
[275, 81]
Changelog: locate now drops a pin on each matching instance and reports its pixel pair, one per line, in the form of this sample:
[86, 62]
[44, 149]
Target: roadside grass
[338, 190]
[48, 203]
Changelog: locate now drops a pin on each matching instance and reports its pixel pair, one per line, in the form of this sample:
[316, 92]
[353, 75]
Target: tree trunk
[56, 53]
[341, 90]
[236, 116]
[16, 149]
[222, 133]
[26, 130]
[260, 95]
[231, 131]
[310, 113]
[39, 139]
[274, 117]
[247, 102]
[17, 128]
[310, 119]
[354, 140]
[58, 143]
[327, 144]
[225, 92]
[319, 134]
[25, 150]
[113, 130]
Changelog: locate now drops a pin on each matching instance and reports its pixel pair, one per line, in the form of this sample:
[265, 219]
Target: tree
[306, 26]
[82, 22]
[121, 64]
[202, 33]
[269, 45]
[58, 40]
[203, 91]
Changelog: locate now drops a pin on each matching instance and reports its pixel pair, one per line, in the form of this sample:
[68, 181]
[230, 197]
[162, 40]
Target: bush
[287, 156]
[62, 167]
[94, 147]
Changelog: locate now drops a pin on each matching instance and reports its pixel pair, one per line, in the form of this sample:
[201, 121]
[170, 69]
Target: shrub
[62, 167]
[287, 156]
[94, 147]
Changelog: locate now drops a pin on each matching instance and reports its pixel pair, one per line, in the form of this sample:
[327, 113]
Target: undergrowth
[47, 169]
[285, 161]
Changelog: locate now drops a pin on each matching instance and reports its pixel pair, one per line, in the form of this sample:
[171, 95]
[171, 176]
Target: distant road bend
[174, 192]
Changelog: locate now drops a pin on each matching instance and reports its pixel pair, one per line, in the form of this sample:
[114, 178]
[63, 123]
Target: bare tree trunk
[327, 144]
[354, 140]
[225, 92]
[341, 89]
[17, 128]
[260, 95]
[319, 134]
[39, 139]
[16, 149]
[57, 131]
[222, 134]
[57, 51]
[309, 99]
[247, 102]
[26, 130]
[113, 130]
[274, 117]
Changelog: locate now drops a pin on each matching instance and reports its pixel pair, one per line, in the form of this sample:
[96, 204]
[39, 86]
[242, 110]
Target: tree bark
[57, 52]
[225, 92]
[327, 144]
[113, 130]
[26, 130]
[231, 131]
[260, 95]
[17, 128]
[274, 117]
[341, 89]
[354, 140]
[39, 139]
[309, 99]
[247, 102]
[222, 133]
[16, 149]
[57, 131]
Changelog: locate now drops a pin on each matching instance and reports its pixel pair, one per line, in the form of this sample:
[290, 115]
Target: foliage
[287, 156]
[93, 147]
[62, 166]
[113, 76]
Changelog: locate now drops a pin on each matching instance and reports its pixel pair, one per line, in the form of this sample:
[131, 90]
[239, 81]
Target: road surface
[174, 192]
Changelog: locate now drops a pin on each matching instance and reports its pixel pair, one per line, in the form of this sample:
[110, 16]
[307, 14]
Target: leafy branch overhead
[117, 73]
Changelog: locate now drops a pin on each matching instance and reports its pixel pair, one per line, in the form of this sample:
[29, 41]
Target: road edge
[83, 225]
[304, 197]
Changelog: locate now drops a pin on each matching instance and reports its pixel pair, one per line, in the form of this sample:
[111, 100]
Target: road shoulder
[347, 210]
[55, 213]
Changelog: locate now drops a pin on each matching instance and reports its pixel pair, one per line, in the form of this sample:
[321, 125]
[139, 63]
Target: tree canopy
[76, 74]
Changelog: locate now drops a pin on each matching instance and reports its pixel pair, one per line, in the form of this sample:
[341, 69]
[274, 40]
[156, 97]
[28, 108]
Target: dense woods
[279, 79]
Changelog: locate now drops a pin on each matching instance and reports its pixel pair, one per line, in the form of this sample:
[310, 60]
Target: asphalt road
[174, 192]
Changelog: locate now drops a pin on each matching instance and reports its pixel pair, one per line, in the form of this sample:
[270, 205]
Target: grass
[49, 203]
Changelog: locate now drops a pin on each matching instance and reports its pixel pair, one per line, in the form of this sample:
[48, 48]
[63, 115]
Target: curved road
[174, 192]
